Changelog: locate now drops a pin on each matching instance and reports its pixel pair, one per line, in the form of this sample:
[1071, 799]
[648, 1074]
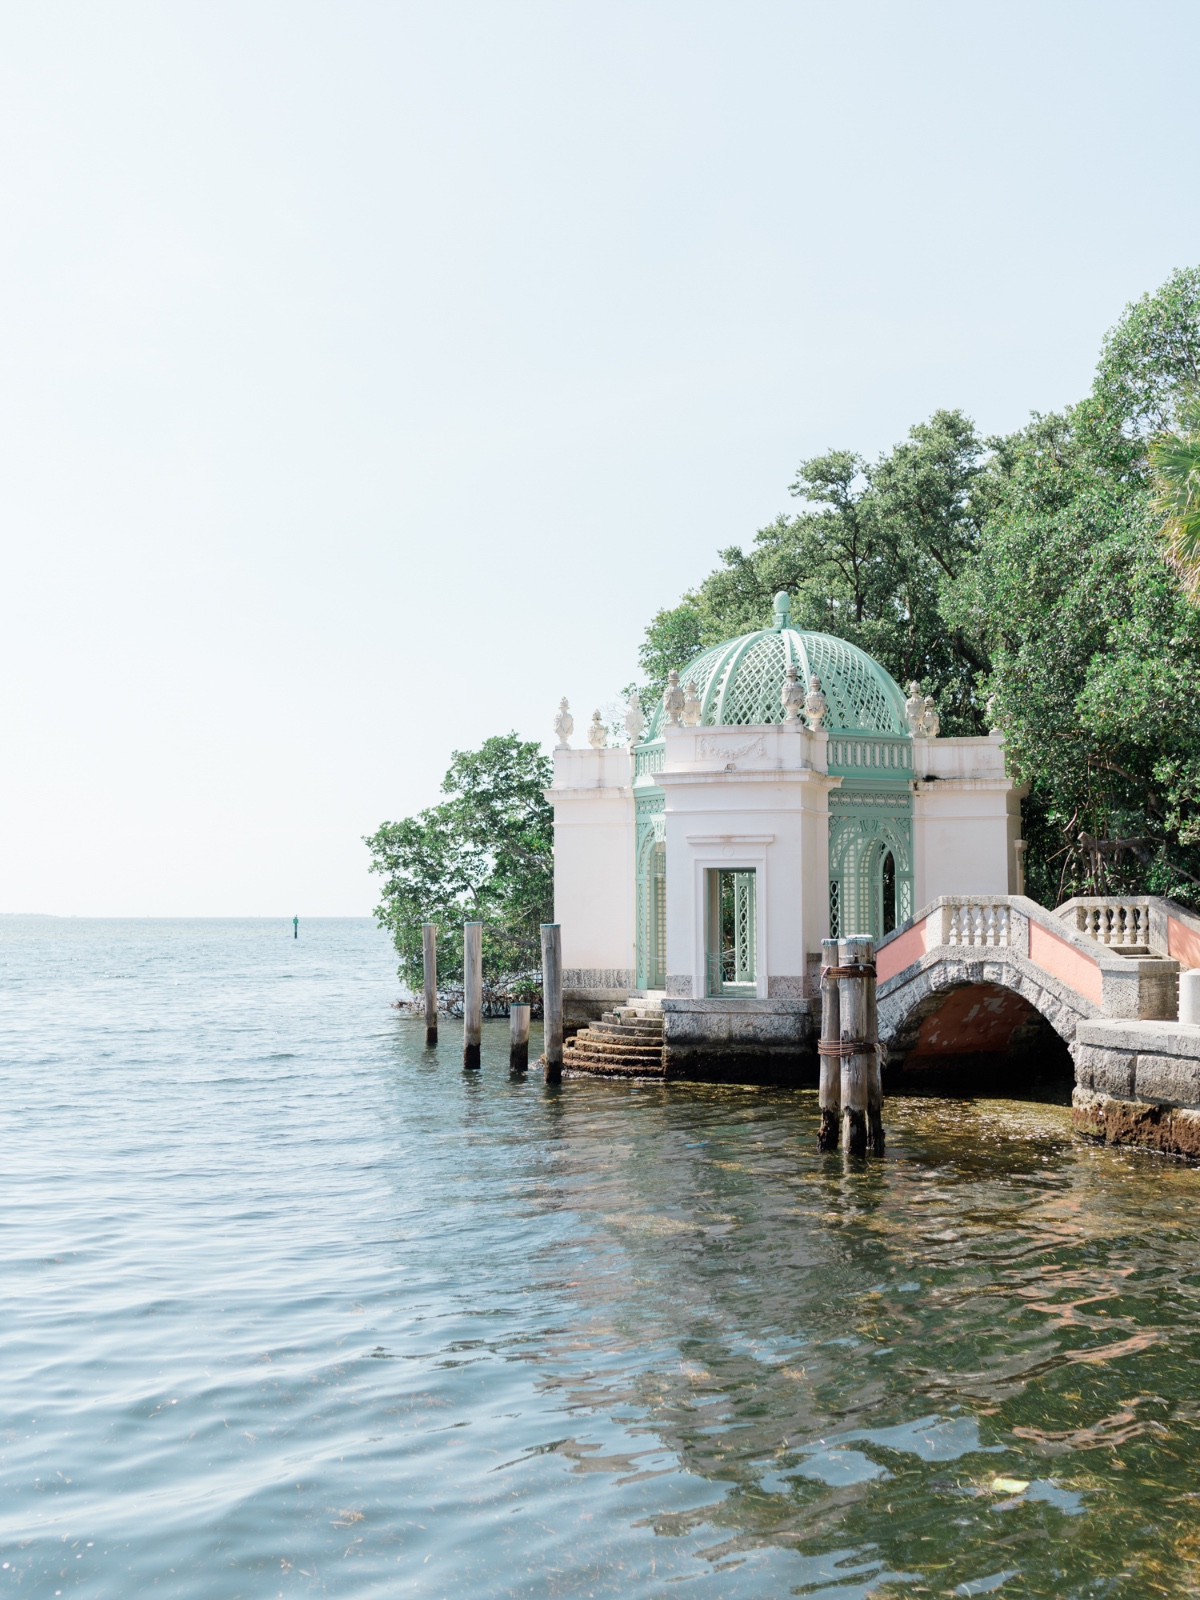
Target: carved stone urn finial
[815, 704]
[914, 710]
[791, 696]
[691, 705]
[634, 720]
[597, 732]
[930, 721]
[673, 699]
[564, 725]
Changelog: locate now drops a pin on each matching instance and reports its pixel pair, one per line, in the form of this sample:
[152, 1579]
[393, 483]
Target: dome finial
[783, 609]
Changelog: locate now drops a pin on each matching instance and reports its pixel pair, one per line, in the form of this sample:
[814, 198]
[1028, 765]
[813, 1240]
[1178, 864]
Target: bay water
[291, 1305]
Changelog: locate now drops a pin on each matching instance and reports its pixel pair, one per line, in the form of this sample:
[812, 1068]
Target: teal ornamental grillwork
[870, 861]
[651, 896]
[870, 748]
[740, 681]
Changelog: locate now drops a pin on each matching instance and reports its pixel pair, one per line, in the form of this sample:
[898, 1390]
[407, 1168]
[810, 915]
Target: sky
[371, 373]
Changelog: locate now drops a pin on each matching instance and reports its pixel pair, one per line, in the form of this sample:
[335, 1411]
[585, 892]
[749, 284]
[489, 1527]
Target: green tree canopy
[1029, 572]
[1095, 648]
[867, 560]
[485, 853]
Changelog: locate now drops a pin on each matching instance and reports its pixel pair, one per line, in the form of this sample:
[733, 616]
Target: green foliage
[1150, 360]
[485, 853]
[1027, 571]
[1175, 470]
[672, 638]
[866, 560]
[1095, 649]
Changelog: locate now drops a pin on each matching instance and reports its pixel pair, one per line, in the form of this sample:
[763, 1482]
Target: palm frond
[1175, 465]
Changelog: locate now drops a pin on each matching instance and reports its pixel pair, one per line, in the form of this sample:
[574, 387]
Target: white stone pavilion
[759, 813]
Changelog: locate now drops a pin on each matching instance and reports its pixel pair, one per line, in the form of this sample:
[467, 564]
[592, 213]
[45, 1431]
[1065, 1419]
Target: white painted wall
[593, 857]
[759, 797]
[747, 798]
[966, 817]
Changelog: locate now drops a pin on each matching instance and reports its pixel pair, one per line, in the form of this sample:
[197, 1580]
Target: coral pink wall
[1183, 943]
[901, 953]
[978, 1018]
[1063, 960]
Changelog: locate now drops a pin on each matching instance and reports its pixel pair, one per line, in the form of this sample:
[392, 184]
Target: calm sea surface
[290, 1306]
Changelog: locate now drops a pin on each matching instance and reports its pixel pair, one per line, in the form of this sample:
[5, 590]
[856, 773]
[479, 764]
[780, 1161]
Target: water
[291, 1306]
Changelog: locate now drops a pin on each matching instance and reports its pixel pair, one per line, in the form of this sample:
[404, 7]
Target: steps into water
[627, 1042]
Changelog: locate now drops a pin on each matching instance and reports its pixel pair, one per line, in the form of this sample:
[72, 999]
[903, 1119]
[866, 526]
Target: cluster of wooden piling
[552, 1000]
[851, 1090]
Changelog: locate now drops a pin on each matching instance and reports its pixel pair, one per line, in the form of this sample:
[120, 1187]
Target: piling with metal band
[830, 1095]
[859, 1050]
[472, 992]
[518, 1033]
[875, 1139]
[552, 1000]
[429, 958]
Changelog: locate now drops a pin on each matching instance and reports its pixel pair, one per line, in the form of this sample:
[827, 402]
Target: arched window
[888, 876]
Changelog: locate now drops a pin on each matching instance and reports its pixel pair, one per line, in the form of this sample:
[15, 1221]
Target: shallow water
[293, 1306]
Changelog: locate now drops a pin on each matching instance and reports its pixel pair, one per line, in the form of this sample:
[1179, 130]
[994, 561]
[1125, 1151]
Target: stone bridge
[997, 986]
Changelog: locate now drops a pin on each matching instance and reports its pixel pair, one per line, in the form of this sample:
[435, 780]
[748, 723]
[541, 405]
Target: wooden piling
[852, 1007]
[830, 1096]
[429, 959]
[472, 992]
[552, 1000]
[875, 1136]
[518, 1035]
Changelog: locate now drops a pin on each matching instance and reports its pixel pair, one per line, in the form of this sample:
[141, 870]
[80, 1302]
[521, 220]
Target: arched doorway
[870, 863]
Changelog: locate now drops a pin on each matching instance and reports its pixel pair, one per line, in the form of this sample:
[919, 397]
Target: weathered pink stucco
[1183, 943]
[979, 1019]
[902, 952]
[1063, 960]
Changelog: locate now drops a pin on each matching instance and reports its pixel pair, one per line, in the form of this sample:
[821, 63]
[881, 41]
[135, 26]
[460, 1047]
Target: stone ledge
[1154, 1038]
[734, 1005]
[1173, 1130]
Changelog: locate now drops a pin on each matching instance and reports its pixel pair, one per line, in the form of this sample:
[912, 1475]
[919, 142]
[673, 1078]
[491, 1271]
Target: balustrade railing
[648, 759]
[980, 924]
[857, 754]
[1121, 924]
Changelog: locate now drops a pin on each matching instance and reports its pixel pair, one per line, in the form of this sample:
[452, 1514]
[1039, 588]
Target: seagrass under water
[293, 1306]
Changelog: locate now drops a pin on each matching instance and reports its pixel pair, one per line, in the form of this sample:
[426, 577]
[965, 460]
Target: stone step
[638, 1030]
[586, 1040]
[605, 1064]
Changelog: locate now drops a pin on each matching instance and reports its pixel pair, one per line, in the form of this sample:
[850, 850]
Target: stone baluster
[989, 937]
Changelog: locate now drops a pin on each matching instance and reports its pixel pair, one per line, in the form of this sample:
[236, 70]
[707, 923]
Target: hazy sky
[371, 373]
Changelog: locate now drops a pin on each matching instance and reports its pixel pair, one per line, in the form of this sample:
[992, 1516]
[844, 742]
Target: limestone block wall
[1138, 1083]
[735, 1040]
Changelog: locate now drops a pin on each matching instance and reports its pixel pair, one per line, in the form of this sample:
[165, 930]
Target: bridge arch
[982, 1026]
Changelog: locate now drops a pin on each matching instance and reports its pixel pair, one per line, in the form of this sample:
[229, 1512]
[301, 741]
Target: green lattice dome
[741, 681]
